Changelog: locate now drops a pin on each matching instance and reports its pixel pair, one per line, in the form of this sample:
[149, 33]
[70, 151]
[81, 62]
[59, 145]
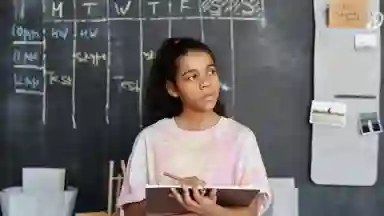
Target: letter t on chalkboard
[348, 13]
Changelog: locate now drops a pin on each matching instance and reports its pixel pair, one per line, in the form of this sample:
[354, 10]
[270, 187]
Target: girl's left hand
[201, 205]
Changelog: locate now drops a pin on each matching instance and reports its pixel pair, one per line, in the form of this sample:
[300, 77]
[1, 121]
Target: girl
[187, 136]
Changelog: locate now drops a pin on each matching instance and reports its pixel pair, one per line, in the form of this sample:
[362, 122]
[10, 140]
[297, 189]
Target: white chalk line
[30, 92]
[232, 47]
[151, 19]
[141, 68]
[107, 104]
[170, 21]
[201, 23]
[33, 67]
[27, 42]
[74, 125]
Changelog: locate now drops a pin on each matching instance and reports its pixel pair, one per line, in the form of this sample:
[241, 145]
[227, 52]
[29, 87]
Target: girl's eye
[192, 77]
[211, 72]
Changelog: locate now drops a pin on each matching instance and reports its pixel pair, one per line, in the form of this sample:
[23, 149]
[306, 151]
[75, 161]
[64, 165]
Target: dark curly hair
[158, 104]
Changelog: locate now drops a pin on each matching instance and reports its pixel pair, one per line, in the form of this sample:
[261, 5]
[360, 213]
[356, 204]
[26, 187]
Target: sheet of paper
[348, 13]
[43, 179]
[328, 113]
[285, 197]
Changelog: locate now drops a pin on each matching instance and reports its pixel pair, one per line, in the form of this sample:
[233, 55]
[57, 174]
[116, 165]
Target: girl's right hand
[192, 181]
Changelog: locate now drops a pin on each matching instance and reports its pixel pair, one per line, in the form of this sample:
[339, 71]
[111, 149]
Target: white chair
[42, 194]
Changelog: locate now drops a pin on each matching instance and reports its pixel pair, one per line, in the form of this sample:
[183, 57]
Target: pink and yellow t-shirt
[226, 154]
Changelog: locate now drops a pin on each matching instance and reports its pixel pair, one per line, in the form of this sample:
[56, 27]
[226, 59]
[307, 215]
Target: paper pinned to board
[43, 180]
[348, 13]
[328, 113]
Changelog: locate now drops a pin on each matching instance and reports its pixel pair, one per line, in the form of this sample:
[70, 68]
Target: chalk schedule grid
[69, 52]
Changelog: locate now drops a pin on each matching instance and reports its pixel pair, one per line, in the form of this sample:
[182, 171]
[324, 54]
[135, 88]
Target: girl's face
[197, 83]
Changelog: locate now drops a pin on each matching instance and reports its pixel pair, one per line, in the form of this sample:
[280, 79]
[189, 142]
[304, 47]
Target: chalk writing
[128, 85]
[19, 9]
[89, 5]
[57, 10]
[79, 28]
[64, 80]
[93, 58]
[184, 5]
[57, 33]
[153, 4]
[25, 33]
[132, 86]
[230, 9]
[122, 10]
[26, 82]
[149, 55]
[88, 33]
[236, 7]
[25, 57]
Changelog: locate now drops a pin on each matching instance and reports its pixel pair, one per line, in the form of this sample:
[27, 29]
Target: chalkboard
[72, 74]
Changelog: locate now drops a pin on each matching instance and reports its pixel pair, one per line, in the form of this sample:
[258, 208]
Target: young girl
[188, 140]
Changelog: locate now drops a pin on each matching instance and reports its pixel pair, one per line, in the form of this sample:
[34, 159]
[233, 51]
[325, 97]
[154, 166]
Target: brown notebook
[158, 200]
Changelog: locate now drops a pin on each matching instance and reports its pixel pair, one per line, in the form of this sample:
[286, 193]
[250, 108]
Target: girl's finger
[196, 194]
[187, 198]
[213, 193]
[177, 196]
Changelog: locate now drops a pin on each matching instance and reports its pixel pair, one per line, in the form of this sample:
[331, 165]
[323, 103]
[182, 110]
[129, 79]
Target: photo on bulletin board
[369, 123]
[328, 113]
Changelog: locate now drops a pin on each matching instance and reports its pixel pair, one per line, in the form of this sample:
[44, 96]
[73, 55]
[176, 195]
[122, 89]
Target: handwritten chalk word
[61, 33]
[128, 85]
[25, 33]
[150, 55]
[246, 8]
[27, 81]
[25, 57]
[93, 58]
[88, 33]
[64, 80]
[235, 7]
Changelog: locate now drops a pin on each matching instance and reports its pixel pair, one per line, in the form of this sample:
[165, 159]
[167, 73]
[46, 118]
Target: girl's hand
[199, 204]
[188, 181]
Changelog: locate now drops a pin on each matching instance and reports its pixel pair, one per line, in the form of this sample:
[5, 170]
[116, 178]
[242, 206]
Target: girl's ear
[171, 88]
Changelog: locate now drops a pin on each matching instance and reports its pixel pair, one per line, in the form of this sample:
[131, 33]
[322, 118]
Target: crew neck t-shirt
[227, 154]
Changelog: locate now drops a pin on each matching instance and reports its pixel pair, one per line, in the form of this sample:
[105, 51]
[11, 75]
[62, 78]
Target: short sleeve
[251, 170]
[135, 177]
